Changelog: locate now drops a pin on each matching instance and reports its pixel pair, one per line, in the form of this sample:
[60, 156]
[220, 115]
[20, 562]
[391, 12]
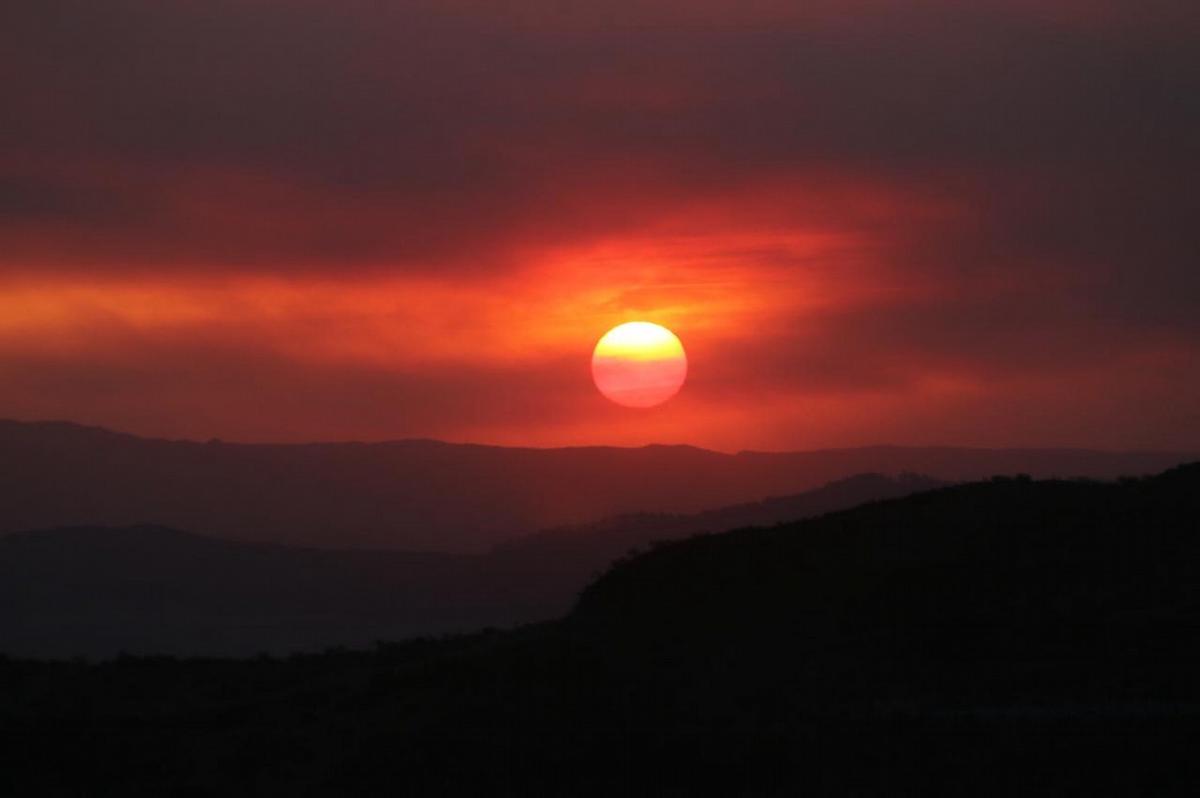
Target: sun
[639, 364]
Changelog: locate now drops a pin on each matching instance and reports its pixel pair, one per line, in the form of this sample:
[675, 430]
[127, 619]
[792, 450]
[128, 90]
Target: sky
[921, 222]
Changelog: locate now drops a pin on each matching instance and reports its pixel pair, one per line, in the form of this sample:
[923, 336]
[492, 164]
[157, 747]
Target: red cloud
[866, 220]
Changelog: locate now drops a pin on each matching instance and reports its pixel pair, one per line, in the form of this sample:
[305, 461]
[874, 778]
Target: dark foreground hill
[431, 496]
[100, 591]
[1009, 637]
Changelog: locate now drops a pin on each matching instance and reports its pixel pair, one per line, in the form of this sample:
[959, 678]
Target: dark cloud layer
[445, 129]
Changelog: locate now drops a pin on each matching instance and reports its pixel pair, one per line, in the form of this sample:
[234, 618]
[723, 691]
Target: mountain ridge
[66, 425]
[436, 496]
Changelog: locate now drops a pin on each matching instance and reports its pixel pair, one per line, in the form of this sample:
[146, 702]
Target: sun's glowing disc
[639, 364]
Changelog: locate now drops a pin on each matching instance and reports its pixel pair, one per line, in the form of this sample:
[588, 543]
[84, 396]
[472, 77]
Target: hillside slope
[1002, 587]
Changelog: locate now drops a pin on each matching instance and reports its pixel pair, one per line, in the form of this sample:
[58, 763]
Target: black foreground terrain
[1007, 637]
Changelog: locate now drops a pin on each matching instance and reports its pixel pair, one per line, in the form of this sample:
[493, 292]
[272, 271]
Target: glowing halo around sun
[639, 364]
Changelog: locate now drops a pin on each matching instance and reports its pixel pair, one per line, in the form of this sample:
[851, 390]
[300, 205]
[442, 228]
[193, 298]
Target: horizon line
[219, 441]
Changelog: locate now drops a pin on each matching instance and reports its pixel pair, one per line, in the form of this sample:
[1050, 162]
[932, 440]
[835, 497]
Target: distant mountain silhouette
[1009, 637]
[426, 495]
[100, 591]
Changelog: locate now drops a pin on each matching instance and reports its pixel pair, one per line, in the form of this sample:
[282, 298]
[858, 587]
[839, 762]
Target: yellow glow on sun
[639, 340]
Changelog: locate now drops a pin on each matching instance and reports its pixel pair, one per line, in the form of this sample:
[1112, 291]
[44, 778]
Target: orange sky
[867, 223]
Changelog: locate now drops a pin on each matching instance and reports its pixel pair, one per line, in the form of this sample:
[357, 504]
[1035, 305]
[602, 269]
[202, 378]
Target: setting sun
[639, 364]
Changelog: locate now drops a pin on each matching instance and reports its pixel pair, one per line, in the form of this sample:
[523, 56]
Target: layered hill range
[100, 591]
[1008, 637]
[422, 495]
